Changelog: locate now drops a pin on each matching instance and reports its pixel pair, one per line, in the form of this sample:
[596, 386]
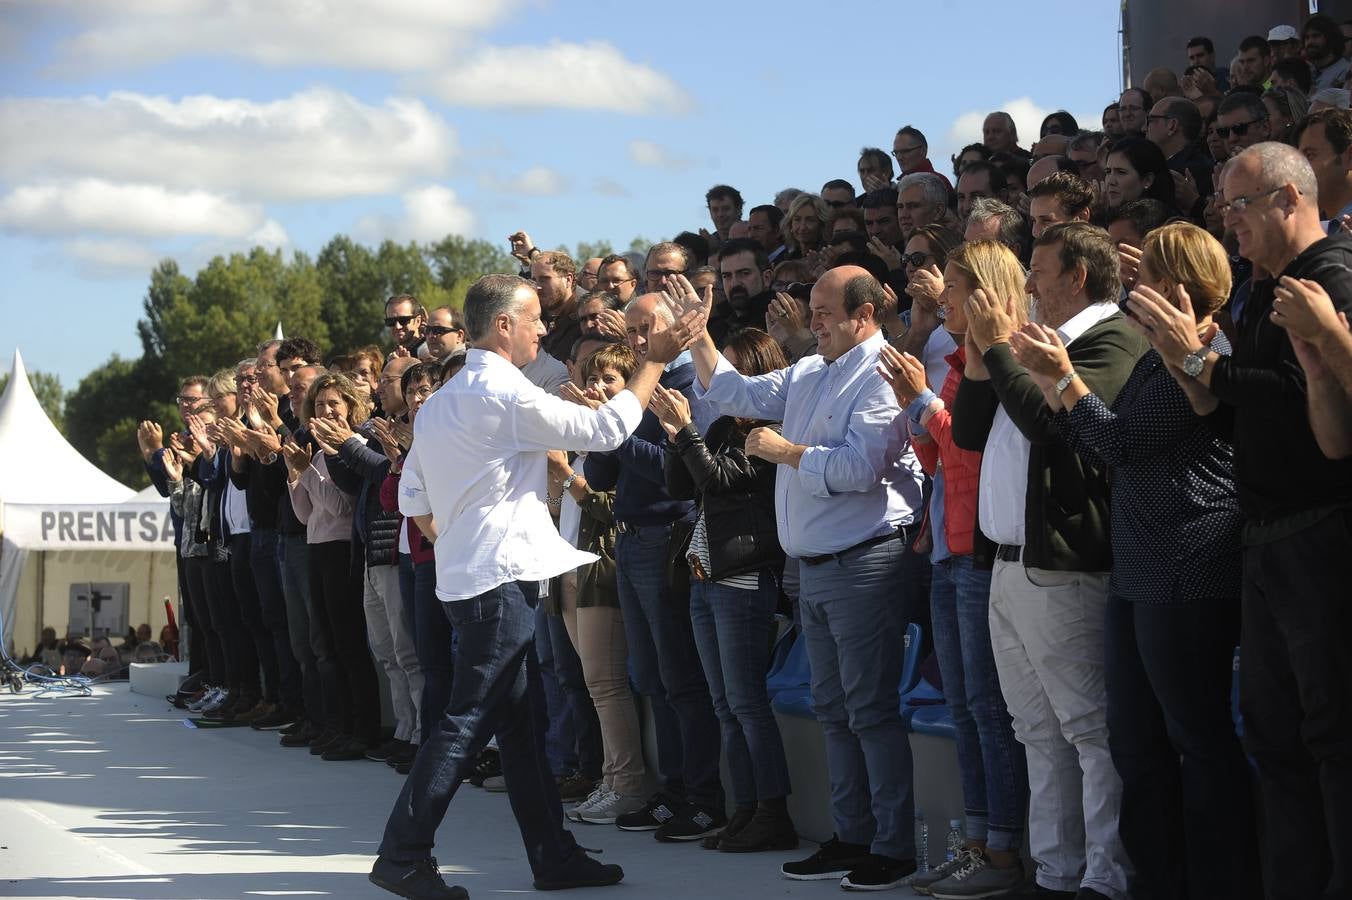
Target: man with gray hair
[1000, 135]
[922, 198]
[1295, 682]
[996, 220]
[1242, 121]
[495, 543]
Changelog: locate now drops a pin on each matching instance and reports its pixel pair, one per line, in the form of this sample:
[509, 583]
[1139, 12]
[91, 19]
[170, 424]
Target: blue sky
[185, 128]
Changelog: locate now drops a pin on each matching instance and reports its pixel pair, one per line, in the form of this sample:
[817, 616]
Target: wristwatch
[567, 483]
[1065, 380]
[1195, 362]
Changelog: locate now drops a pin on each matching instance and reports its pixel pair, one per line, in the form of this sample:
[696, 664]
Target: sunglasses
[916, 259]
[181, 400]
[401, 321]
[1239, 129]
[439, 330]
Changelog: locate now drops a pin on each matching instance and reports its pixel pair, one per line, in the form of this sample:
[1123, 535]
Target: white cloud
[317, 144]
[385, 35]
[95, 205]
[115, 258]
[1026, 113]
[537, 181]
[646, 153]
[594, 75]
[609, 187]
[430, 212]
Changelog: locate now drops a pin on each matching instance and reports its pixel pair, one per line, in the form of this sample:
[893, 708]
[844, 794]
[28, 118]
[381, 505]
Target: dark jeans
[497, 691]
[335, 584]
[241, 659]
[433, 637]
[193, 646]
[244, 580]
[573, 742]
[196, 571]
[666, 668]
[1187, 797]
[1296, 695]
[267, 572]
[991, 762]
[294, 554]
[732, 631]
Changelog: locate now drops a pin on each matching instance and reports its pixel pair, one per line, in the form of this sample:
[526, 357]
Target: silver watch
[1195, 362]
[1065, 381]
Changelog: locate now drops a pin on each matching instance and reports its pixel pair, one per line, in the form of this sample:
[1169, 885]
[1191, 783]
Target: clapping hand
[925, 286]
[388, 441]
[333, 432]
[784, 318]
[1039, 349]
[150, 438]
[1185, 190]
[1169, 327]
[610, 322]
[890, 255]
[682, 298]
[573, 394]
[197, 427]
[297, 458]
[1304, 309]
[989, 320]
[264, 407]
[873, 182]
[903, 372]
[1129, 264]
[671, 408]
[173, 466]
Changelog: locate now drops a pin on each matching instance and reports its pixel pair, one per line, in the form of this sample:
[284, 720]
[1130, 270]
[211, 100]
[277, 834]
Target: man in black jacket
[745, 270]
[1295, 676]
[1047, 509]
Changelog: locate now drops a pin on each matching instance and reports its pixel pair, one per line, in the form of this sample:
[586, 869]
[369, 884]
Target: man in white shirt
[847, 495]
[481, 497]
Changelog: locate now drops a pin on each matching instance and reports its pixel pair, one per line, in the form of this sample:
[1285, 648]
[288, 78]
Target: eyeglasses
[439, 330]
[1239, 129]
[184, 400]
[901, 151]
[246, 379]
[401, 321]
[613, 282]
[266, 365]
[917, 259]
[1239, 204]
[423, 392]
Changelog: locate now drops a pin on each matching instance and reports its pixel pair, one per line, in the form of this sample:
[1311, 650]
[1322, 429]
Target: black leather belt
[902, 531]
[627, 528]
[1009, 552]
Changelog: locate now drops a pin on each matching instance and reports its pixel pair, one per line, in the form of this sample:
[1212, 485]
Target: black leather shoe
[740, 819]
[349, 749]
[325, 740]
[417, 881]
[580, 871]
[766, 831]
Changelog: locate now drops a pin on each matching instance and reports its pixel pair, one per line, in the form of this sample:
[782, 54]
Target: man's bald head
[644, 315]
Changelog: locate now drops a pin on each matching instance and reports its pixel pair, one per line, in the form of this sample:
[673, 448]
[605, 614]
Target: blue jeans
[267, 572]
[294, 554]
[573, 742]
[666, 668]
[851, 612]
[433, 637]
[990, 760]
[496, 691]
[732, 632]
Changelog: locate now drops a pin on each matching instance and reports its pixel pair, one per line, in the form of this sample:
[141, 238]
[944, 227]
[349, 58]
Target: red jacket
[420, 547]
[962, 468]
[927, 166]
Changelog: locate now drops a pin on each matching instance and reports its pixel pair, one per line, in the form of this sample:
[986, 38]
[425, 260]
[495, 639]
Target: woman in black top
[734, 555]
[1173, 609]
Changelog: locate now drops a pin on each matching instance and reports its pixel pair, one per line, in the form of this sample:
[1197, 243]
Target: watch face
[1193, 366]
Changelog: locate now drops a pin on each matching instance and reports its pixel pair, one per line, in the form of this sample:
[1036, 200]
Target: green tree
[458, 262]
[50, 394]
[102, 413]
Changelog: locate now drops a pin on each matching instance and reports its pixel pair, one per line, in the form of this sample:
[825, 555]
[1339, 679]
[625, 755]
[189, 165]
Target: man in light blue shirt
[847, 495]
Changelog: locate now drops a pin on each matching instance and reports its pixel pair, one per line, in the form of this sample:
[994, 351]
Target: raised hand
[1185, 190]
[1039, 349]
[150, 438]
[521, 245]
[334, 431]
[974, 369]
[297, 458]
[903, 372]
[610, 322]
[926, 286]
[885, 251]
[265, 407]
[671, 408]
[1305, 310]
[989, 320]
[682, 298]
[1129, 264]
[573, 394]
[388, 441]
[1169, 327]
[664, 346]
[784, 318]
[173, 466]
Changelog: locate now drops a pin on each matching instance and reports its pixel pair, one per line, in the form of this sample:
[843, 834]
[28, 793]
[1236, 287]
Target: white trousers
[391, 635]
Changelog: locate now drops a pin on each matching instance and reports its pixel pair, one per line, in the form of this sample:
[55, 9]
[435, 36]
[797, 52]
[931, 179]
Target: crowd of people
[1083, 410]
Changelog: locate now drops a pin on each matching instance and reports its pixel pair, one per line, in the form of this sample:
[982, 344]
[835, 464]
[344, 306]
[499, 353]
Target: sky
[137, 130]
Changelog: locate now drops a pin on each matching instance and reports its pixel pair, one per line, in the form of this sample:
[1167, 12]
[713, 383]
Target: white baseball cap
[1283, 33]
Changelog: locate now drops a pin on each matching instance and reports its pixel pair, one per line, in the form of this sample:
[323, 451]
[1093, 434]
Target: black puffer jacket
[735, 492]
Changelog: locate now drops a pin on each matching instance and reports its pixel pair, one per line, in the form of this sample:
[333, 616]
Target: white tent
[81, 525]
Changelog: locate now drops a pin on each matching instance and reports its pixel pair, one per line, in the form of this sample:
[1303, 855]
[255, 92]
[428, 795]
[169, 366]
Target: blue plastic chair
[792, 670]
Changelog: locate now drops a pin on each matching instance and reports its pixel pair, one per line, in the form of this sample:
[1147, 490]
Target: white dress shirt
[858, 477]
[478, 467]
[1003, 487]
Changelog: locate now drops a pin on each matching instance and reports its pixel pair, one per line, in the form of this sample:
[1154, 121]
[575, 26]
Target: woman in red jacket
[990, 759]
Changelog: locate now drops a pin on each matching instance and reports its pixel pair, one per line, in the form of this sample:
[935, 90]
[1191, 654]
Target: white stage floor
[112, 797]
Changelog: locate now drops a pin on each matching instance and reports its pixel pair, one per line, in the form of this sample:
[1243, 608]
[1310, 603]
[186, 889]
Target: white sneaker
[611, 806]
[575, 814]
[222, 698]
[207, 700]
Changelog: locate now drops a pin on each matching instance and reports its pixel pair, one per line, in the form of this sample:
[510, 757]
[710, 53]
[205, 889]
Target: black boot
[769, 829]
[741, 817]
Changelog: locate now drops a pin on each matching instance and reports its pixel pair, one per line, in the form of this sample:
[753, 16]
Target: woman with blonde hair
[990, 759]
[805, 226]
[332, 411]
[1173, 608]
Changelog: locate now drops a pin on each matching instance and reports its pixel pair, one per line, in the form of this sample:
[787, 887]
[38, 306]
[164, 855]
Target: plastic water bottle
[921, 843]
[953, 844]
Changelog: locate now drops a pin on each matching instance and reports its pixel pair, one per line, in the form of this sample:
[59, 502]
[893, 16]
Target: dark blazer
[736, 493]
[1066, 511]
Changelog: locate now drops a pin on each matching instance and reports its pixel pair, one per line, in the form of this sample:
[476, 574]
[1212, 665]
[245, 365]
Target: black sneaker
[580, 871]
[384, 751]
[405, 754]
[405, 767]
[740, 819]
[650, 818]
[325, 740]
[878, 873]
[417, 881]
[767, 830]
[834, 859]
[276, 720]
[346, 750]
[691, 823]
[575, 787]
[301, 722]
[488, 765]
[301, 737]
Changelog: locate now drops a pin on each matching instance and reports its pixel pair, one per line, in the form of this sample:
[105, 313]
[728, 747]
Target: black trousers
[1296, 696]
[241, 660]
[336, 588]
[245, 583]
[211, 655]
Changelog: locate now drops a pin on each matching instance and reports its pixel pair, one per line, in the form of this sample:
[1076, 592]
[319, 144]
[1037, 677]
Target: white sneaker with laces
[611, 806]
[575, 814]
[206, 700]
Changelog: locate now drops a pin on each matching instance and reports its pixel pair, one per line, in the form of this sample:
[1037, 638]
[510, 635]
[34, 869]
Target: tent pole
[42, 594]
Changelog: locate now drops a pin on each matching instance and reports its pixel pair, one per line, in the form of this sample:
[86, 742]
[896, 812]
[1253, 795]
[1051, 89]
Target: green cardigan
[595, 534]
[1066, 511]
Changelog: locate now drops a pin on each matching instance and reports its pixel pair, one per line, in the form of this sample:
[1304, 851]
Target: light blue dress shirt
[858, 477]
